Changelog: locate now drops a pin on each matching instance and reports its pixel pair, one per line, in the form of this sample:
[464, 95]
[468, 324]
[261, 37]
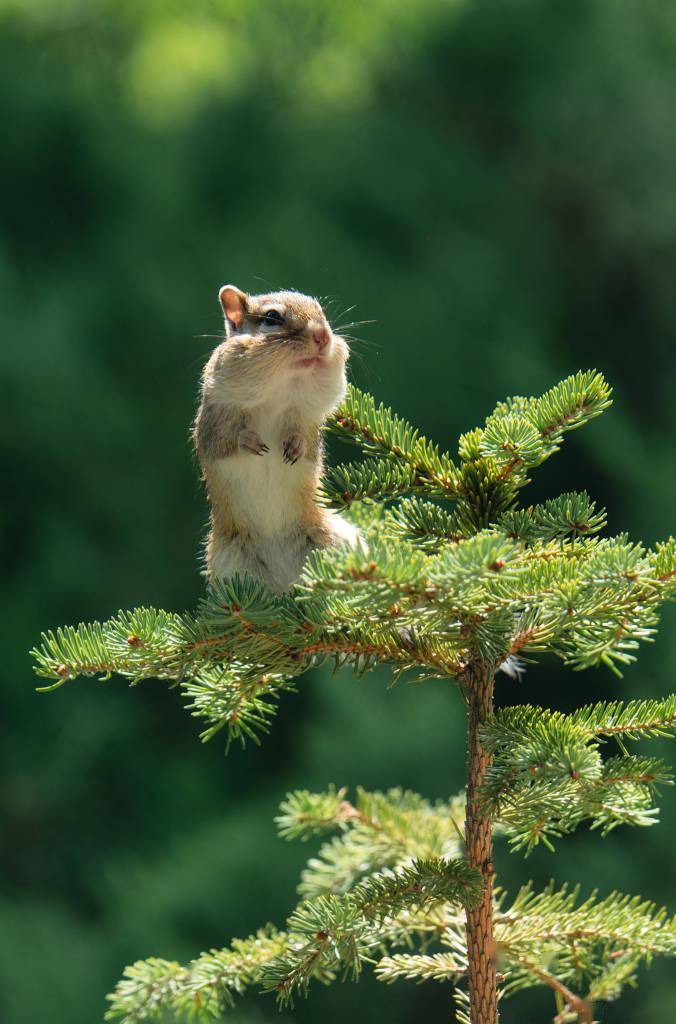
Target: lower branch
[572, 1002]
[481, 947]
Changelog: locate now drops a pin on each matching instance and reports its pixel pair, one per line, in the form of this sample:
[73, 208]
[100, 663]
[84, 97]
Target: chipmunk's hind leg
[230, 556]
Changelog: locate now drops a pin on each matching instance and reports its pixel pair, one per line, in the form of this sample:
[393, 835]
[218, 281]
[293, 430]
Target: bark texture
[481, 947]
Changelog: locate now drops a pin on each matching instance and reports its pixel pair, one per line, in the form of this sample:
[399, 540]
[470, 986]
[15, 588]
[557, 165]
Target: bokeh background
[494, 184]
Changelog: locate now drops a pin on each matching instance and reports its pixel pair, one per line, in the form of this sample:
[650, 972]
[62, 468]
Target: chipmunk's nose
[320, 336]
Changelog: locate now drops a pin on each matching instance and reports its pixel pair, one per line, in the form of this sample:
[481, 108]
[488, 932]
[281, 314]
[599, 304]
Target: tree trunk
[481, 950]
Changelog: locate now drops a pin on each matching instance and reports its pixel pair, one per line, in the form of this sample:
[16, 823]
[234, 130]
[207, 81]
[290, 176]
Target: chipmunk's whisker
[365, 342]
[345, 312]
[353, 323]
[360, 358]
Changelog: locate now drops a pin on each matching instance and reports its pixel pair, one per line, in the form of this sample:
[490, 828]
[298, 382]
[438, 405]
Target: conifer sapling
[455, 578]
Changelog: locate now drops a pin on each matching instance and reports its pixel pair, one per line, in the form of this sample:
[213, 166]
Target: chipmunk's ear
[234, 303]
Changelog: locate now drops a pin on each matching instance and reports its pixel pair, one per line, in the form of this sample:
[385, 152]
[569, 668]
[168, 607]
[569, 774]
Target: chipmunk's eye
[272, 316]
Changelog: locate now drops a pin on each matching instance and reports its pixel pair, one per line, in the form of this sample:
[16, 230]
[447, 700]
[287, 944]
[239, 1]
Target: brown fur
[262, 409]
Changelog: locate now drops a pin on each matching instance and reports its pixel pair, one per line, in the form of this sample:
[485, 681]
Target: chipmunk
[266, 391]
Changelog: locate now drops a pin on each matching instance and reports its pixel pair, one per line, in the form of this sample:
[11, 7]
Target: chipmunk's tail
[513, 667]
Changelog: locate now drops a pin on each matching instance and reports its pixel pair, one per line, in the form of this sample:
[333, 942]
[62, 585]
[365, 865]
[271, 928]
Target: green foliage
[434, 592]
[570, 514]
[590, 602]
[548, 775]
[552, 939]
[334, 931]
[420, 593]
[378, 830]
[378, 479]
[631, 720]
[549, 938]
[522, 432]
[581, 943]
[203, 991]
[380, 432]
[430, 526]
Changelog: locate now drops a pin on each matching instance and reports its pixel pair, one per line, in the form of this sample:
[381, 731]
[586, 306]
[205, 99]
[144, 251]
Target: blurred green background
[494, 183]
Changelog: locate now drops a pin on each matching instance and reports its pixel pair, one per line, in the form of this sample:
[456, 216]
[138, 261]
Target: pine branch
[608, 984]
[547, 775]
[327, 935]
[304, 814]
[362, 573]
[339, 932]
[592, 947]
[238, 653]
[136, 644]
[485, 492]
[575, 1008]
[380, 432]
[236, 699]
[598, 943]
[570, 404]
[373, 480]
[553, 939]
[519, 434]
[555, 919]
[596, 599]
[634, 719]
[487, 595]
[522, 433]
[203, 990]
[473, 564]
[145, 991]
[420, 967]
[430, 526]
[378, 830]
[449, 594]
[570, 514]
[385, 601]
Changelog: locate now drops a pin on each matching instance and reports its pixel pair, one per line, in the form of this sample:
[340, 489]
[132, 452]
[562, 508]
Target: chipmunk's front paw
[293, 448]
[249, 441]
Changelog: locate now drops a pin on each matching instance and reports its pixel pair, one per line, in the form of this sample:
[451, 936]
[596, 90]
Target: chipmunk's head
[289, 332]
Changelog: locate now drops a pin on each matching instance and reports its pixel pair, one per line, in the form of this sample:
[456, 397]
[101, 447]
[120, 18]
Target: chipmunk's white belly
[264, 491]
[269, 496]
